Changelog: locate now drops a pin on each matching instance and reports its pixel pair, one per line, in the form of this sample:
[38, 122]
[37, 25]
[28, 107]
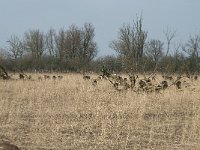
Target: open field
[72, 114]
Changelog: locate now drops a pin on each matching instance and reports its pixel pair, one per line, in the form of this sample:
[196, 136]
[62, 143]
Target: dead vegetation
[97, 114]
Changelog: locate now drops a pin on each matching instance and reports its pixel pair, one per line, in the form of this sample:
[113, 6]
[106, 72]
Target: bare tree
[81, 48]
[154, 50]
[88, 46]
[50, 42]
[3, 54]
[130, 43]
[169, 34]
[192, 48]
[16, 47]
[76, 45]
[35, 43]
[73, 42]
[60, 43]
[177, 56]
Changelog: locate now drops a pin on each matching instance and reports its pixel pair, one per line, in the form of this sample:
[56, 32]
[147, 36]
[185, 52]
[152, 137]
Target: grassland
[72, 114]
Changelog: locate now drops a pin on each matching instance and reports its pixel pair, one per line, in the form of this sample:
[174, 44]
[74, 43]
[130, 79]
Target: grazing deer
[85, 77]
[164, 84]
[158, 88]
[196, 77]
[46, 77]
[4, 77]
[188, 75]
[29, 77]
[100, 77]
[21, 76]
[60, 77]
[133, 79]
[166, 77]
[153, 78]
[3, 73]
[54, 77]
[178, 84]
[106, 73]
[94, 82]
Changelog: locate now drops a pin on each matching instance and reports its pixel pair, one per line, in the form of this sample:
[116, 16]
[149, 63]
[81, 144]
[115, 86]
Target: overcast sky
[107, 16]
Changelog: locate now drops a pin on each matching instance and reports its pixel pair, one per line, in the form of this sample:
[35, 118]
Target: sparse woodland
[74, 49]
[55, 95]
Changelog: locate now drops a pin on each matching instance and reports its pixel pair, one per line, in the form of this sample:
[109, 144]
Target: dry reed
[73, 114]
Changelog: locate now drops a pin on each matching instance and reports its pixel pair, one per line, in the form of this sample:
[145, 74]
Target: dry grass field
[73, 114]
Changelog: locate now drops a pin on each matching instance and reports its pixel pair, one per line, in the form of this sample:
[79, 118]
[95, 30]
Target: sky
[107, 16]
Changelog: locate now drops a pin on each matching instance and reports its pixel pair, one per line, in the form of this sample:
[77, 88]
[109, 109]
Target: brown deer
[178, 84]
[21, 76]
[3, 73]
[195, 77]
[46, 77]
[85, 77]
[54, 77]
[60, 77]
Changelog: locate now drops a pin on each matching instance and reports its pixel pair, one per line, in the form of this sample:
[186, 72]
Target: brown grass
[73, 114]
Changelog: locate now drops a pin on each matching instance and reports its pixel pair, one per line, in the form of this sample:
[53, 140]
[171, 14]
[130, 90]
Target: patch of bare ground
[72, 114]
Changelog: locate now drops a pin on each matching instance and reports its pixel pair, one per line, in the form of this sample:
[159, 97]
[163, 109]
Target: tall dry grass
[73, 114]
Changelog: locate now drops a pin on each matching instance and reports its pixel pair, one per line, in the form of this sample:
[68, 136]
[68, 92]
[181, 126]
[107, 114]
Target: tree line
[68, 49]
[74, 49]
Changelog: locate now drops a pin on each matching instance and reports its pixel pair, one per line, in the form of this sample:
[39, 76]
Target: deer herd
[136, 83]
[152, 83]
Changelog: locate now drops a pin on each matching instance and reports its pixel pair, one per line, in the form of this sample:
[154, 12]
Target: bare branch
[169, 34]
